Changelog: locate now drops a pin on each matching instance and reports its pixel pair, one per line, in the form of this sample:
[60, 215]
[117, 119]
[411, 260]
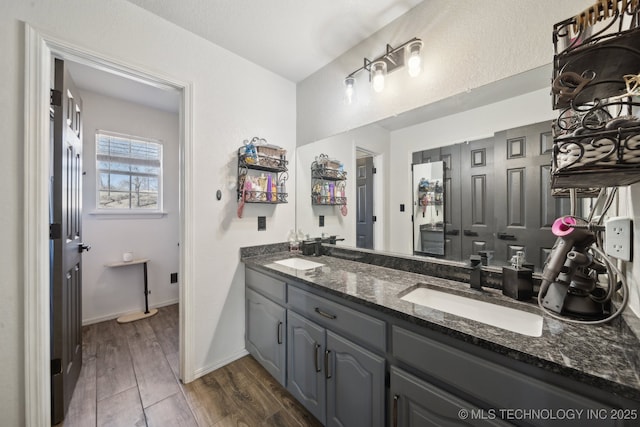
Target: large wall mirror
[493, 144]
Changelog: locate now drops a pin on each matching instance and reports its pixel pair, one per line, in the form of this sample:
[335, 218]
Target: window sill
[128, 214]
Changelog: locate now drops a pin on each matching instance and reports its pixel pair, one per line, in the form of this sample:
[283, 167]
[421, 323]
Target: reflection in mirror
[465, 131]
[428, 203]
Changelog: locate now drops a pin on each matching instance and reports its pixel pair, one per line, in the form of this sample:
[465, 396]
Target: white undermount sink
[511, 319]
[299, 263]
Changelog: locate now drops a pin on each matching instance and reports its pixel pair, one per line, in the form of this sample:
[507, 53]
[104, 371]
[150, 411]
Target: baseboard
[219, 364]
[112, 316]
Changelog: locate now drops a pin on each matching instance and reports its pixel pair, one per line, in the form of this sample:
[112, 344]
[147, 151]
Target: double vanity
[361, 340]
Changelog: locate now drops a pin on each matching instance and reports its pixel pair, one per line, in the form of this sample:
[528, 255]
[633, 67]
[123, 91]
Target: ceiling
[292, 38]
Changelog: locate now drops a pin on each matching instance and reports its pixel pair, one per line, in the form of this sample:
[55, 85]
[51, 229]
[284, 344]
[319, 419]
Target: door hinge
[374, 170]
[56, 98]
[56, 366]
[55, 231]
[375, 218]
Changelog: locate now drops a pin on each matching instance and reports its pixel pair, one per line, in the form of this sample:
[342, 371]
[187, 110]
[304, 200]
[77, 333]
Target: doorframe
[39, 50]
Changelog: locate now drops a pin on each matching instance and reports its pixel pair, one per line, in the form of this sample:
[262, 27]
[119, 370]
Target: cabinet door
[266, 334]
[305, 351]
[416, 403]
[355, 384]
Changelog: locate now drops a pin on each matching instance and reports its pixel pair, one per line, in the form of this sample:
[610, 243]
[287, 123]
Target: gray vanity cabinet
[266, 322]
[338, 381]
[416, 403]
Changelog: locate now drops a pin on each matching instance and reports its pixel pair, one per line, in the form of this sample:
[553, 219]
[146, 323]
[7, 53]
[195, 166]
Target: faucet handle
[475, 260]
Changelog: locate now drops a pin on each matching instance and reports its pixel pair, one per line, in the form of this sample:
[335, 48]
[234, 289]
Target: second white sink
[513, 320]
[299, 263]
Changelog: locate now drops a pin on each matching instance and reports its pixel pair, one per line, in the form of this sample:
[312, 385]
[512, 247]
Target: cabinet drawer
[336, 317]
[268, 286]
[496, 385]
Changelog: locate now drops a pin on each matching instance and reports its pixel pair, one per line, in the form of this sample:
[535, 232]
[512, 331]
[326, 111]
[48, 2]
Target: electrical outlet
[618, 237]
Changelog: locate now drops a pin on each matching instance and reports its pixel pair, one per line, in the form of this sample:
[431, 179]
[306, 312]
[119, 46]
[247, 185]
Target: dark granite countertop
[604, 356]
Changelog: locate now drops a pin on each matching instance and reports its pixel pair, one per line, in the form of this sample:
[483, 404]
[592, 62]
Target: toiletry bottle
[332, 192]
[517, 282]
[293, 241]
[274, 190]
[269, 188]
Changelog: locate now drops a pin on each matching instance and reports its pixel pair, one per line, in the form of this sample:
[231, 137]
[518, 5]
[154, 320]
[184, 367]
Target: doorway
[365, 200]
[40, 51]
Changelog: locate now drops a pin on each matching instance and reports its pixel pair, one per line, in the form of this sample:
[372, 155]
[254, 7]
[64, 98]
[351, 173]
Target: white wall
[343, 148]
[110, 292]
[467, 44]
[629, 205]
[233, 99]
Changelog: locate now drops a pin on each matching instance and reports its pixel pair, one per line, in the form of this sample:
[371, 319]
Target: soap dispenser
[517, 281]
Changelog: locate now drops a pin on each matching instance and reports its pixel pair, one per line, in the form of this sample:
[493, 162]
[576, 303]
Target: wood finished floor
[130, 378]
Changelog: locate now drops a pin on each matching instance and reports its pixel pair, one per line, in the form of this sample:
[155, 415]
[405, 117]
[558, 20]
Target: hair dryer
[572, 233]
[567, 283]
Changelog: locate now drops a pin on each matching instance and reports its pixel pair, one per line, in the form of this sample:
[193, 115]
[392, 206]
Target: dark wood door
[477, 188]
[364, 202]
[525, 209]
[452, 202]
[67, 246]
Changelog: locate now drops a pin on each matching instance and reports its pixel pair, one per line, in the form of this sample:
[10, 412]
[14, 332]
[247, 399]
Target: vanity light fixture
[408, 53]
[414, 61]
[349, 84]
[378, 73]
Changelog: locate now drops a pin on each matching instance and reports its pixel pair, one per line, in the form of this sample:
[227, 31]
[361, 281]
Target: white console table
[147, 313]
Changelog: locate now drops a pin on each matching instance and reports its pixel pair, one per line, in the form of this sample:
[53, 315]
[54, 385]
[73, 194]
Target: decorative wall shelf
[328, 182]
[596, 84]
[259, 166]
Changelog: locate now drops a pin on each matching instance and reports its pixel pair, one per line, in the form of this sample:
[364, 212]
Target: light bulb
[414, 63]
[349, 89]
[378, 71]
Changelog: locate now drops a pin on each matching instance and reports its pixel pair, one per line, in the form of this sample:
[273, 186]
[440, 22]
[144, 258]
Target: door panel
[265, 333]
[416, 403]
[364, 202]
[66, 277]
[305, 372]
[525, 208]
[355, 385]
[477, 187]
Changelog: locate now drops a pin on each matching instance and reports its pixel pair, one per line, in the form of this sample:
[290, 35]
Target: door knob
[82, 247]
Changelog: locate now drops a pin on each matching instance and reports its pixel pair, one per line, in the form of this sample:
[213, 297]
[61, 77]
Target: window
[129, 173]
